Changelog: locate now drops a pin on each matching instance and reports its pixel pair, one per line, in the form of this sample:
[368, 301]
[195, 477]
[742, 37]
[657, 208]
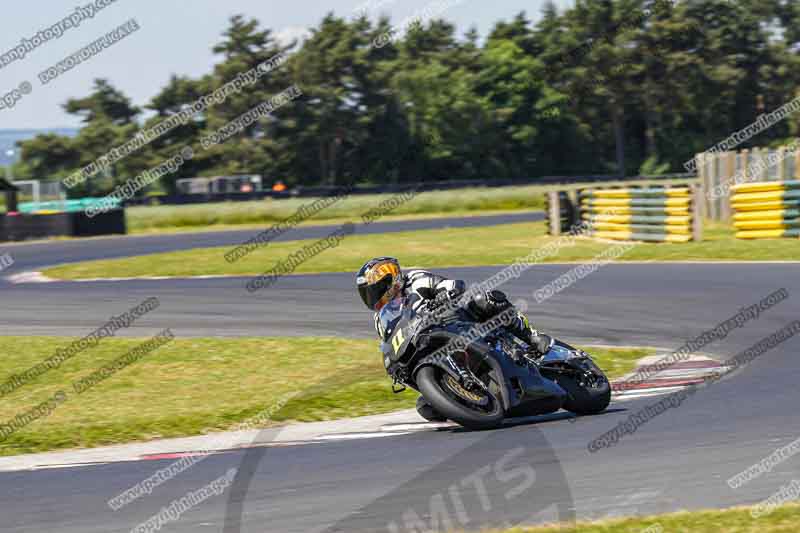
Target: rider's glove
[440, 300]
[540, 343]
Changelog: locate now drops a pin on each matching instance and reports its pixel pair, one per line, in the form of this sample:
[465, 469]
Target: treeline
[606, 87]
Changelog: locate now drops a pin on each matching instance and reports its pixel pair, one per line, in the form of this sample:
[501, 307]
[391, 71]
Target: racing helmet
[378, 281]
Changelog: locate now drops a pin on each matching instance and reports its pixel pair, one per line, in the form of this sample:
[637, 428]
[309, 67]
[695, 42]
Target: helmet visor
[372, 294]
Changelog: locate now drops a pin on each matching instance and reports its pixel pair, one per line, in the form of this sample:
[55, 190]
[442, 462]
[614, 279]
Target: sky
[173, 37]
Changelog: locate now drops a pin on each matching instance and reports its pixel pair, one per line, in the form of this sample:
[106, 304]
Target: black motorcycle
[476, 373]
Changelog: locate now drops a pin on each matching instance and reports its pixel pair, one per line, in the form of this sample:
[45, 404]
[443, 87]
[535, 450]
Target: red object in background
[279, 186]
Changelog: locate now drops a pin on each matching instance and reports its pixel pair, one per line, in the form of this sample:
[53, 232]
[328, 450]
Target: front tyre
[452, 401]
[427, 411]
[585, 399]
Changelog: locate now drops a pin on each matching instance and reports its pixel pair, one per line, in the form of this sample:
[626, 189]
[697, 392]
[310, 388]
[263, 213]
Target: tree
[605, 86]
[105, 101]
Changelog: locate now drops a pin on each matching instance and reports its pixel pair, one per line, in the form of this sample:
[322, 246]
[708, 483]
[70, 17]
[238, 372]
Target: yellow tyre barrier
[765, 186]
[651, 214]
[767, 214]
[768, 233]
[637, 202]
[769, 196]
[649, 237]
[767, 224]
[766, 210]
[684, 229]
[740, 207]
[647, 211]
[629, 219]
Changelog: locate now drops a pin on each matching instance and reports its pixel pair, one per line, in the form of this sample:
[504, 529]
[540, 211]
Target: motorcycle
[476, 374]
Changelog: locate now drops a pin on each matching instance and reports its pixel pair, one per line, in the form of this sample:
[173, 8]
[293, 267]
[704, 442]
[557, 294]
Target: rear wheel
[450, 399]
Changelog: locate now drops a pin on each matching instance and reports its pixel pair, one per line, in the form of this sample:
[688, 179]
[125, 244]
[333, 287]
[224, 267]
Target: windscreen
[389, 316]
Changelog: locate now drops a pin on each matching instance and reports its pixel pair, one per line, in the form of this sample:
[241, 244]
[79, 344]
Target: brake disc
[459, 389]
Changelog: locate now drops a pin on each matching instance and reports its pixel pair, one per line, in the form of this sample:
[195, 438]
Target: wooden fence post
[702, 173]
[713, 181]
[782, 164]
[554, 206]
[729, 165]
[759, 156]
[746, 166]
[697, 211]
[797, 164]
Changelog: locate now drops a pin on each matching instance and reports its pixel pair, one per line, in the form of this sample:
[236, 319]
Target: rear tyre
[585, 400]
[432, 385]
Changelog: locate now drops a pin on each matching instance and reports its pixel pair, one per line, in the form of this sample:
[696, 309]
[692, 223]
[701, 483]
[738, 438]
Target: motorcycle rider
[380, 280]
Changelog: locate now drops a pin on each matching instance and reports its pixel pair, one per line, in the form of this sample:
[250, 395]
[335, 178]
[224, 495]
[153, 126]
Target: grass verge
[194, 386]
[467, 201]
[783, 519]
[433, 249]
[472, 201]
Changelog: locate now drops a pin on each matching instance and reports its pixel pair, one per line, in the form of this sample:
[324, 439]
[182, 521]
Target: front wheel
[453, 401]
[585, 399]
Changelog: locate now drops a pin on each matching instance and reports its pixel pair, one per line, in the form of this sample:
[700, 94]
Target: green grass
[491, 245]
[784, 519]
[224, 215]
[194, 386]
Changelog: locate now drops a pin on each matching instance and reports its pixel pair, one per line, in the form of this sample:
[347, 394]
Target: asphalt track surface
[41, 254]
[678, 460]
